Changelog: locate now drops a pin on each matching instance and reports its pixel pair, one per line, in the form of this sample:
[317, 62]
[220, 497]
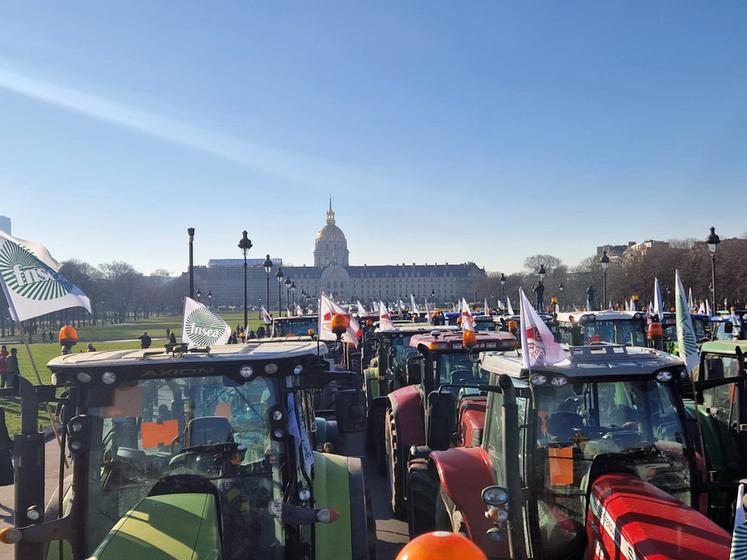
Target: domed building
[332, 274]
[330, 246]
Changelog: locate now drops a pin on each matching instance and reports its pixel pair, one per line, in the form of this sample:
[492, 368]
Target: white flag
[328, 308]
[708, 308]
[468, 321]
[428, 316]
[701, 308]
[299, 311]
[486, 309]
[690, 298]
[361, 309]
[31, 281]
[413, 305]
[401, 306]
[658, 305]
[633, 305]
[202, 326]
[385, 321]
[508, 305]
[537, 342]
[266, 317]
[686, 341]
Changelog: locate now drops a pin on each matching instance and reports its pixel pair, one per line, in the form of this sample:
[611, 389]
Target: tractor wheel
[379, 444]
[393, 467]
[421, 499]
[371, 521]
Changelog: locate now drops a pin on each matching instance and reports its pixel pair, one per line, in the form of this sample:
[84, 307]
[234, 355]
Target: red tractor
[426, 413]
[593, 459]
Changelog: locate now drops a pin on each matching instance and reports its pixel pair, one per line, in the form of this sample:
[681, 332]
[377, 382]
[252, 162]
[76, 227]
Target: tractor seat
[562, 426]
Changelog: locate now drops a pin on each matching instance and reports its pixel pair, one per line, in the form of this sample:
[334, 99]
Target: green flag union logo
[204, 328]
[27, 276]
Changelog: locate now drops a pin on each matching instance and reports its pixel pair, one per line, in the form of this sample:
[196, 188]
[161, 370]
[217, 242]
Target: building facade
[333, 274]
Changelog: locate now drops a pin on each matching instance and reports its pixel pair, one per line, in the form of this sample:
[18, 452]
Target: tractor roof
[295, 318]
[598, 360]
[416, 328]
[261, 350]
[724, 347]
[606, 315]
[454, 340]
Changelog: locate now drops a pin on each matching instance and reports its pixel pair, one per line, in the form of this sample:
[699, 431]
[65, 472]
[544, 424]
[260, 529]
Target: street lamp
[433, 297]
[268, 268]
[279, 276]
[191, 234]
[245, 244]
[287, 292]
[198, 294]
[503, 286]
[604, 262]
[293, 293]
[561, 288]
[210, 299]
[713, 241]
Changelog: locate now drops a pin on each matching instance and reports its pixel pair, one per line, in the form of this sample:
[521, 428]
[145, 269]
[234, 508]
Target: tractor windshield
[194, 426]
[456, 368]
[630, 332]
[294, 328]
[629, 426]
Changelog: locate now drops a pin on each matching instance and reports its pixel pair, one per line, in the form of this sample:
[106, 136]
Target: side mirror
[350, 409]
[440, 420]
[414, 370]
[728, 327]
[6, 453]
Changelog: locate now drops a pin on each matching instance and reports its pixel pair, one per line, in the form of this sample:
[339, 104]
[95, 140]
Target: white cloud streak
[300, 169]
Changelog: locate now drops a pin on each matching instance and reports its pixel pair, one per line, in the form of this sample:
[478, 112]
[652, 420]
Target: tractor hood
[630, 518]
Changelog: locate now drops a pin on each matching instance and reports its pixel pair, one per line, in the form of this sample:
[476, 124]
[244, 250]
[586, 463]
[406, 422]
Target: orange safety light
[68, 335]
[469, 339]
[339, 324]
[441, 545]
[513, 325]
[369, 323]
[311, 332]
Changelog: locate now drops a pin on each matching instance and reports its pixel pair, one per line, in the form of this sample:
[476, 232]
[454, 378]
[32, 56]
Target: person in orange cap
[441, 545]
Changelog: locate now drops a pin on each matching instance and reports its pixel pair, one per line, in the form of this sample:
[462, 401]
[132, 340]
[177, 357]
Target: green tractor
[201, 454]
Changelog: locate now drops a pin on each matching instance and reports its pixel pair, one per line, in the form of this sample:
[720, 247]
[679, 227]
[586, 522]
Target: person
[590, 292]
[172, 338]
[51, 336]
[145, 340]
[90, 348]
[242, 336]
[252, 335]
[3, 366]
[168, 334]
[539, 290]
[11, 368]
[261, 332]
[577, 335]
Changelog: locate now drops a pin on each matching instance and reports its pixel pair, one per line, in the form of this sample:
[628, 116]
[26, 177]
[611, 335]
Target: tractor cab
[701, 324]
[614, 327]
[593, 458]
[728, 326]
[485, 323]
[305, 325]
[216, 444]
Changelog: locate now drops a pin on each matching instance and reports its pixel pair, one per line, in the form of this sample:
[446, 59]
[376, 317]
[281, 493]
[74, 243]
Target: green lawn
[106, 337]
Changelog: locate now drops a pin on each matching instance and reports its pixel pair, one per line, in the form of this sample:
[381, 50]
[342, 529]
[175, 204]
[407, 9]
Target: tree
[532, 264]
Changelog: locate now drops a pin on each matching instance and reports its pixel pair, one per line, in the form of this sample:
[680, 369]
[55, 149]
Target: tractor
[305, 325]
[615, 327]
[592, 458]
[208, 453]
[414, 417]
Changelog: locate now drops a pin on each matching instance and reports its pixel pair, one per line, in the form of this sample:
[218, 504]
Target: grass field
[106, 337]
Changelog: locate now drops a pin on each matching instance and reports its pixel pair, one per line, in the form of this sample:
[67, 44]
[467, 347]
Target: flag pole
[38, 378]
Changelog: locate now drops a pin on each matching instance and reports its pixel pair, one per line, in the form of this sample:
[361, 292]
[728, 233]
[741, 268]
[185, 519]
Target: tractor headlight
[664, 376]
[538, 379]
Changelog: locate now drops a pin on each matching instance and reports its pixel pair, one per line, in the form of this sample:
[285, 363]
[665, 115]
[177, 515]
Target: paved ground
[7, 492]
[391, 533]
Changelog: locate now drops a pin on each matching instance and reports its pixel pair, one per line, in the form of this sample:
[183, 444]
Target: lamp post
[503, 286]
[293, 293]
[279, 276]
[191, 234]
[245, 244]
[604, 262]
[433, 297]
[210, 299]
[561, 288]
[198, 294]
[713, 241]
[669, 298]
[268, 268]
[287, 293]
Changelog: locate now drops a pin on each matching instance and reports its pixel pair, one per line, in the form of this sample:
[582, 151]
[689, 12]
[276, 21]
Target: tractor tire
[394, 468]
[379, 431]
[371, 521]
[422, 492]
[362, 522]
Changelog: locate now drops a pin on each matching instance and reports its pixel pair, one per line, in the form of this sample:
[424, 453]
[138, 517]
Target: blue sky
[443, 131]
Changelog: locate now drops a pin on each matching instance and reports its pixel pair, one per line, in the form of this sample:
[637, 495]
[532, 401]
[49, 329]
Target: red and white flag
[468, 321]
[385, 321]
[537, 342]
[266, 317]
[361, 309]
[328, 308]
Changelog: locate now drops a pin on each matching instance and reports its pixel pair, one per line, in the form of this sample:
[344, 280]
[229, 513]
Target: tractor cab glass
[584, 429]
[628, 332]
[295, 327]
[456, 368]
[205, 427]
